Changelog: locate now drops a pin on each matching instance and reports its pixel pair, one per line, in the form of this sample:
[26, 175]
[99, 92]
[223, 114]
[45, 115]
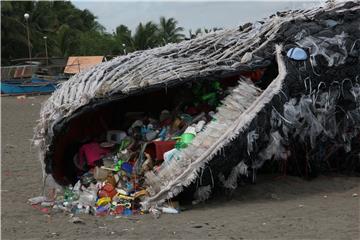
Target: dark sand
[285, 208]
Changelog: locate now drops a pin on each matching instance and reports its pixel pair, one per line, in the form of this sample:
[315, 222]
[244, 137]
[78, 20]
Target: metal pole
[28, 38]
[26, 16]
[46, 52]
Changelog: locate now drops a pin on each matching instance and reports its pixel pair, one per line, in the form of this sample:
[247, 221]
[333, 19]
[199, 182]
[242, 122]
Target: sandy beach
[274, 208]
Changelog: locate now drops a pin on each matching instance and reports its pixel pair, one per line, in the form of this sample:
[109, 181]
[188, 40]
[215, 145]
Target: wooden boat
[32, 77]
[33, 86]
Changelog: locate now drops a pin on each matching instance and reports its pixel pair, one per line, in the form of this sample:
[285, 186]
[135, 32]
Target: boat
[32, 77]
[42, 75]
[32, 86]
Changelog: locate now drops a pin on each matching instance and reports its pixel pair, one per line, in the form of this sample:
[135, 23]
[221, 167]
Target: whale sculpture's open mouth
[301, 109]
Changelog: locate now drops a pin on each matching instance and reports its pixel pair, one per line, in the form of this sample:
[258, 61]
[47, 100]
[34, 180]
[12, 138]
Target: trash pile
[111, 169]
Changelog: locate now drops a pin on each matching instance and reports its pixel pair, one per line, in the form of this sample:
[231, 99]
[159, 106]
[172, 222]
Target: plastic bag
[325, 46]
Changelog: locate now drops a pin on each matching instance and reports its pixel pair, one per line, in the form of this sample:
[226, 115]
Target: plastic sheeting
[319, 115]
[332, 49]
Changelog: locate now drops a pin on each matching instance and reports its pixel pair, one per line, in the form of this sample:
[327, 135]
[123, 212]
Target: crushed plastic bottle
[69, 194]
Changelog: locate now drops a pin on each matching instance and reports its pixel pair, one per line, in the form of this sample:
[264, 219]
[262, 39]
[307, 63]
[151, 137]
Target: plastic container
[107, 190]
[127, 167]
[103, 201]
[169, 155]
[100, 174]
[115, 136]
[185, 139]
[199, 126]
[127, 212]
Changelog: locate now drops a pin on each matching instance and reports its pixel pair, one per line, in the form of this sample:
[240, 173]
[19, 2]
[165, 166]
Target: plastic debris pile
[111, 170]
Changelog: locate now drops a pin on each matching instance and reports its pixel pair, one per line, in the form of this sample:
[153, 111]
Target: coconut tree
[123, 39]
[169, 32]
[145, 36]
[200, 32]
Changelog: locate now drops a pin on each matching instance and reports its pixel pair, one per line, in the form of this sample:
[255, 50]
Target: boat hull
[34, 87]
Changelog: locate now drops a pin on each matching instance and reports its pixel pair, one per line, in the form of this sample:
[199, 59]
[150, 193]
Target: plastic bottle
[169, 210]
[171, 154]
[69, 194]
[199, 126]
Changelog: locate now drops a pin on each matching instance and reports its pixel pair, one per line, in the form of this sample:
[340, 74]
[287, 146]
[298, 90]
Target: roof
[76, 64]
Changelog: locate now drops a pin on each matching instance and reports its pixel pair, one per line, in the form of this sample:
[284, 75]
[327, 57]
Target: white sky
[189, 14]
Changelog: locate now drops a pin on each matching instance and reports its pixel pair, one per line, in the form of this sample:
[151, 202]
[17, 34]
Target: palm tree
[145, 36]
[123, 39]
[200, 32]
[169, 32]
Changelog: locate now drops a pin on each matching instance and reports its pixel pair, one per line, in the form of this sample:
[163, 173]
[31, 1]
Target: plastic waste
[87, 197]
[330, 23]
[165, 114]
[199, 126]
[129, 186]
[172, 154]
[103, 209]
[137, 123]
[127, 167]
[87, 179]
[107, 190]
[201, 194]
[297, 54]
[37, 200]
[169, 210]
[127, 212]
[154, 212]
[163, 133]
[118, 165]
[103, 201]
[47, 204]
[115, 136]
[148, 164]
[125, 143]
[76, 220]
[100, 174]
[275, 148]
[151, 135]
[123, 204]
[186, 138]
[251, 140]
[69, 194]
[321, 46]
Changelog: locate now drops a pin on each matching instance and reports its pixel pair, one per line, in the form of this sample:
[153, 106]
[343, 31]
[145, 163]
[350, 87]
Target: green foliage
[145, 36]
[200, 32]
[71, 31]
[61, 22]
[169, 32]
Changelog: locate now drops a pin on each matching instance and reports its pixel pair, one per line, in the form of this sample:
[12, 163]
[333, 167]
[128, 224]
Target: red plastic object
[254, 75]
[107, 190]
[118, 210]
[157, 149]
[92, 152]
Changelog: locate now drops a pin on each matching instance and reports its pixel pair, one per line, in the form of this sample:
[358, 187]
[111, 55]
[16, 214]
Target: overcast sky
[190, 15]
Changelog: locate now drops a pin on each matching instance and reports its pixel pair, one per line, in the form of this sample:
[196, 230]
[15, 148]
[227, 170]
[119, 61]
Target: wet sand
[274, 208]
